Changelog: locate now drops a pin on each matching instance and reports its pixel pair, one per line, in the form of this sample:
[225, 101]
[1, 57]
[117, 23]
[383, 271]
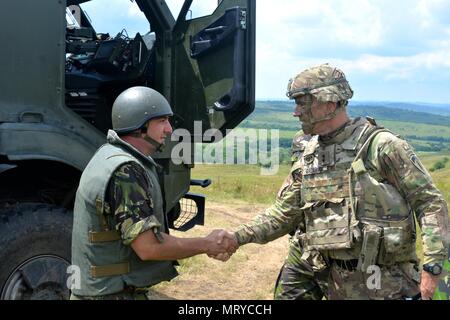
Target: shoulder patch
[416, 162]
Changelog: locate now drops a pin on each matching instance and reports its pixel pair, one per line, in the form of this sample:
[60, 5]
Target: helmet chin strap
[159, 146]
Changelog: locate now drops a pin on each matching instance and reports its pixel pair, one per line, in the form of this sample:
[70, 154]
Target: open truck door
[213, 66]
[205, 67]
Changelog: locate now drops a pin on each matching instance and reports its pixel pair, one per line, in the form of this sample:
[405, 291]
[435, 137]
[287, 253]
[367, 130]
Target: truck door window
[201, 9]
[71, 20]
[198, 8]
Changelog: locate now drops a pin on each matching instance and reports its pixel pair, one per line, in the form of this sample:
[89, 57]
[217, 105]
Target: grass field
[404, 129]
[239, 183]
[417, 129]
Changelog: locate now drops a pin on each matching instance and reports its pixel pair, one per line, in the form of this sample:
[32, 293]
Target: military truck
[58, 80]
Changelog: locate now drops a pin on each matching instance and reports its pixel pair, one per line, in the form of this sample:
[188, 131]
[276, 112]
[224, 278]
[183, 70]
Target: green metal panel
[32, 86]
[43, 142]
[32, 55]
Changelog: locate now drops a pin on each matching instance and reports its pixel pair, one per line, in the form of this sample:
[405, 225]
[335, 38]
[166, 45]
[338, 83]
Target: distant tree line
[360, 110]
[428, 138]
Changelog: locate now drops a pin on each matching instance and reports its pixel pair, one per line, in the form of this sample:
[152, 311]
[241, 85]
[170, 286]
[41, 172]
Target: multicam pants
[297, 279]
[397, 282]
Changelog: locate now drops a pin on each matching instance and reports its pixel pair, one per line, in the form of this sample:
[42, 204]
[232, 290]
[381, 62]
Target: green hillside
[425, 131]
[266, 109]
[385, 113]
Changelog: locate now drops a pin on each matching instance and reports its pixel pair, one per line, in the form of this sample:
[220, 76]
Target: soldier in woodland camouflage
[352, 196]
[120, 238]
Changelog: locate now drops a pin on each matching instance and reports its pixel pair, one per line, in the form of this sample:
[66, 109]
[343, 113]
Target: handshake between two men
[222, 245]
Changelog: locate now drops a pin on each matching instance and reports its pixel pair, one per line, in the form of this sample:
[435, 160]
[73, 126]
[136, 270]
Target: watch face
[436, 269]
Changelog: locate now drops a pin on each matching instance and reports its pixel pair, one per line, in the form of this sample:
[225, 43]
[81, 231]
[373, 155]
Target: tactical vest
[350, 212]
[106, 264]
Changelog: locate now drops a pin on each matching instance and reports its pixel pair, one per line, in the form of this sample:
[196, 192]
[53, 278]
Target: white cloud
[398, 67]
[432, 12]
[353, 23]
[372, 39]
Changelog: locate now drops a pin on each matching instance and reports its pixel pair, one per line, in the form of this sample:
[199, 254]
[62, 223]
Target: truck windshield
[113, 17]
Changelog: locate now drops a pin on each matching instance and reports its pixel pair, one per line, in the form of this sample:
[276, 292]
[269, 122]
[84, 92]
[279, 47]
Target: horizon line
[367, 101]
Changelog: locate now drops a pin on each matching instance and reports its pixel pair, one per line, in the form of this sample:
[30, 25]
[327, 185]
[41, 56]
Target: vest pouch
[393, 239]
[398, 242]
[370, 247]
[328, 225]
[312, 259]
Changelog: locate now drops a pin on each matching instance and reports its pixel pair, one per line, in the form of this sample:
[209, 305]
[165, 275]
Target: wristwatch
[434, 268]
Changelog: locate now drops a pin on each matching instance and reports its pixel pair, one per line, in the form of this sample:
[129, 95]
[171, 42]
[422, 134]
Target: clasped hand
[222, 245]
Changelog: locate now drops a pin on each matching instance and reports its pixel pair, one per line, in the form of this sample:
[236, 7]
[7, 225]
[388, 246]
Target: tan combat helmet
[325, 82]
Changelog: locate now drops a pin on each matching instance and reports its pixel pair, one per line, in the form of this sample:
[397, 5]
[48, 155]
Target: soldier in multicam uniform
[120, 237]
[352, 196]
[300, 279]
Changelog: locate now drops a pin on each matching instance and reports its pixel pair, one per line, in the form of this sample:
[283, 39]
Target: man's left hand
[428, 285]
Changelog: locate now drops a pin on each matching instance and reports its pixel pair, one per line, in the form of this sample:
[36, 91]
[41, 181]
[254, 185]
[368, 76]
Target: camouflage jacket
[394, 161]
[130, 203]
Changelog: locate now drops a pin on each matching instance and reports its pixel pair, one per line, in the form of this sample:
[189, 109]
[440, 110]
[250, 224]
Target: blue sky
[390, 50]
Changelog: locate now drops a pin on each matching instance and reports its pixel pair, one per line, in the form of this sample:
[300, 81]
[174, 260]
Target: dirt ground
[250, 274]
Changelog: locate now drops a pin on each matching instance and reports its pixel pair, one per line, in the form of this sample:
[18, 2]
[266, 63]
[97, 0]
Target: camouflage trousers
[300, 278]
[307, 277]
[396, 282]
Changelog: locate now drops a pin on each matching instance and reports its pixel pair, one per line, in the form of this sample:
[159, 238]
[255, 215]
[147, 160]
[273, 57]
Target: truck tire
[35, 250]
